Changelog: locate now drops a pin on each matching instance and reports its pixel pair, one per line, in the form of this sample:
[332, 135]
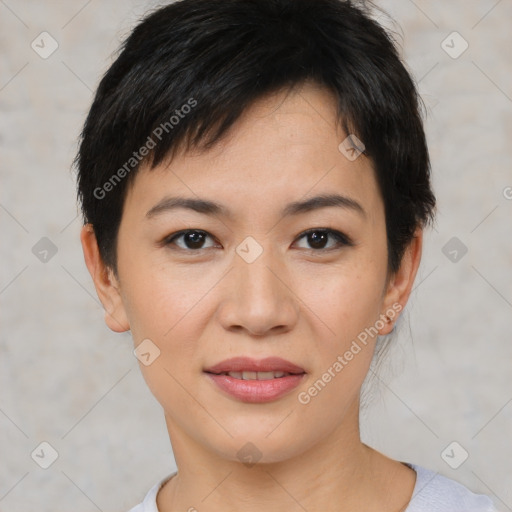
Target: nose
[258, 297]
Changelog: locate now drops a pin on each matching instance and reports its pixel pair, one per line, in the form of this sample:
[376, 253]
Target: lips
[255, 381]
[248, 365]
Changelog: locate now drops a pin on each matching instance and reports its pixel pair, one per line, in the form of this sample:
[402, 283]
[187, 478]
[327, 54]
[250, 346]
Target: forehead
[284, 147]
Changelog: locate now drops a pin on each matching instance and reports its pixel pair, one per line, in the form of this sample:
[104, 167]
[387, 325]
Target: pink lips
[253, 390]
[269, 364]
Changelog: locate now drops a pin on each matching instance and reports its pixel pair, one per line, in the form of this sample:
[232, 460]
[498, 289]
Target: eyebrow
[213, 208]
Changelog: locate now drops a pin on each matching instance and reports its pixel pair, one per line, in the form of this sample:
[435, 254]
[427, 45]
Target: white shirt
[432, 493]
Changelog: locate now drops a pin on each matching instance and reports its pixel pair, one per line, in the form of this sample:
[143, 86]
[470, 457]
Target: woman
[255, 182]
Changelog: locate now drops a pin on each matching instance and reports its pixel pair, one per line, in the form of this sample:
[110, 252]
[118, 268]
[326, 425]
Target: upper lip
[247, 364]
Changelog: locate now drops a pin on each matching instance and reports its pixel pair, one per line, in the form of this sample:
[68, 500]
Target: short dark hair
[189, 70]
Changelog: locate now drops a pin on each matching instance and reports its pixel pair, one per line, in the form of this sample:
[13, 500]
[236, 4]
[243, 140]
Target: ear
[399, 285]
[107, 286]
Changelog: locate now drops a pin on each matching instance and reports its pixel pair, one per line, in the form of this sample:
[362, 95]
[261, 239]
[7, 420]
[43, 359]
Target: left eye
[318, 239]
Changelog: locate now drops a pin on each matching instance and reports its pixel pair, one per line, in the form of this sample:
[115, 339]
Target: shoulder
[436, 493]
[149, 503]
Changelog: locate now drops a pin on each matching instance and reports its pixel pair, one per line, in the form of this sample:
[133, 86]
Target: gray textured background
[67, 380]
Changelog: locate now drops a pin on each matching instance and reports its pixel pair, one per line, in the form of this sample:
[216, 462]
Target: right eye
[191, 239]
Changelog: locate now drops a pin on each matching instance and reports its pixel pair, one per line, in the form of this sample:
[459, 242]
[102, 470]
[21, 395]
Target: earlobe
[400, 284]
[106, 284]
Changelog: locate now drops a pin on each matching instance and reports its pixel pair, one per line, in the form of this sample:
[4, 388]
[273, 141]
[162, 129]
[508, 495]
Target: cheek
[160, 298]
[164, 305]
[349, 307]
[346, 299]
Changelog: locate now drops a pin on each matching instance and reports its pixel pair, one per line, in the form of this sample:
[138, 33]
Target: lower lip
[256, 391]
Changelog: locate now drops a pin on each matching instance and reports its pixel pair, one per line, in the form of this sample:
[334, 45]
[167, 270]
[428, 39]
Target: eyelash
[341, 238]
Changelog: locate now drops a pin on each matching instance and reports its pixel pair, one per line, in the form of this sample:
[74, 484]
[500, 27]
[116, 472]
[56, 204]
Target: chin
[251, 446]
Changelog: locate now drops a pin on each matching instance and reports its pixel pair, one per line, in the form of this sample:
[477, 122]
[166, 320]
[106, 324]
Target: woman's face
[248, 282]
